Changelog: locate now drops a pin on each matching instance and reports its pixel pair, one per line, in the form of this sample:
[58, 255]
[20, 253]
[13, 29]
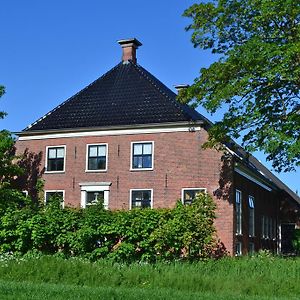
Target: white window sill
[96, 171]
[141, 169]
[54, 172]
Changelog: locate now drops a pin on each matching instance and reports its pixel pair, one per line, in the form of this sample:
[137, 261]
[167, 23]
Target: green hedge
[185, 232]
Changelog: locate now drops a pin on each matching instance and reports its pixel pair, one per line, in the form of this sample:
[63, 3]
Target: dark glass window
[142, 156]
[97, 157]
[251, 217]
[94, 197]
[53, 195]
[56, 159]
[141, 198]
[238, 249]
[190, 195]
[238, 211]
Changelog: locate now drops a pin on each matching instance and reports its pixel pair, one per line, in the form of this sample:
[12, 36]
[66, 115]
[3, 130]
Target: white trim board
[108, 132]
[249, 177]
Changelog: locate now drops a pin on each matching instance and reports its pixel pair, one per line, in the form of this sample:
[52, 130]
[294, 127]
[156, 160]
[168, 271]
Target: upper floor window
[96, 157]
[142, 156]
[251, 216]
[56, 159]
[141, 198]
[238, 211]
[189, 194]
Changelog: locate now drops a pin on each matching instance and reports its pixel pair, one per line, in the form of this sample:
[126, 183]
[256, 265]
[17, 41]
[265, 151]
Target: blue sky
[50, 50]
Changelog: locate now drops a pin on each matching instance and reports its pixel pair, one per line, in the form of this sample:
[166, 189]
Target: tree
[256, 77]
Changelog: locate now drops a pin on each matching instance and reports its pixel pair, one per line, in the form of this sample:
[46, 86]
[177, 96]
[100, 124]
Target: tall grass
[246, 278]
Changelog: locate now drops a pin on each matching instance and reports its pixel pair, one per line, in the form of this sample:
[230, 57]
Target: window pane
[251, 202]
[51, 165]
[52, 153]
[92, 151]
[93, 165]
[60, 153]
[137, 162]
[147, 148]
[138, 149]
[59, 164]
[147, 161]
[101, 163]
[94, 197]
[101, 150]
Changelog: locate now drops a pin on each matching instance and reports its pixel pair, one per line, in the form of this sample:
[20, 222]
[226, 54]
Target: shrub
[185, 232]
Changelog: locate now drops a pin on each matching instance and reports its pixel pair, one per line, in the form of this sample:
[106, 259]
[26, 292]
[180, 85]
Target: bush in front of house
[185, 232]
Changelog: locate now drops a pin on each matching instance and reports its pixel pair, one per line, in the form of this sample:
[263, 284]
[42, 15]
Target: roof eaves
[106, 128]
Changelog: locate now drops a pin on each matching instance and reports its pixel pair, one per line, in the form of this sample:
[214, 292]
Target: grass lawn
[55, 278]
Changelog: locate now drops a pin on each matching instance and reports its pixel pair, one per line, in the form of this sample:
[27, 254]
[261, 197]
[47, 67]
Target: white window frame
[239, 231]
[130, 196]
[55, 191]
[95, 187]
[251, 209]
[190, 189]
[131, 156]
[46, 160]
[87, 170]
[25, 193]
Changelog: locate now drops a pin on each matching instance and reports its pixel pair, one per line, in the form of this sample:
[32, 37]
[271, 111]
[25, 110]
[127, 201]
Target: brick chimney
[129, 47]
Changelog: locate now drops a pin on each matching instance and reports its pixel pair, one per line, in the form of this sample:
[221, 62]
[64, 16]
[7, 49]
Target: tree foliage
[17, 173]
[256, 76]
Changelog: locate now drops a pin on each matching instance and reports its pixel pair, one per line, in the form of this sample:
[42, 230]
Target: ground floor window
[94, 197]
[93, 192]
[251, 248]
[141, 198]
[52, 194]
[238, 248]
[189, 194]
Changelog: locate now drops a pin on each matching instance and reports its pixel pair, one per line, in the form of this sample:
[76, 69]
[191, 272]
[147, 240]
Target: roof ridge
[144, 72]
[72, 97]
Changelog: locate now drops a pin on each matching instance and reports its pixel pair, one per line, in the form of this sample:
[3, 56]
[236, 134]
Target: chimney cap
[130, 42]
[181, 86]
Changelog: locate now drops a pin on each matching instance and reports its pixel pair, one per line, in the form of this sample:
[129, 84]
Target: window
[141, 198]
[55, 159]
[94, 197]
[266, 227]
[274, 230]
[238, 211]
[251, 248]
[263, 233]
[251, 216]
[54, 194]
[142, 156]
[238, 248]
[189, 194]
[96, 157]
[92, 192]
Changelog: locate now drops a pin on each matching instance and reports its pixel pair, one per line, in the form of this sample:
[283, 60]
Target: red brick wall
[178, 156]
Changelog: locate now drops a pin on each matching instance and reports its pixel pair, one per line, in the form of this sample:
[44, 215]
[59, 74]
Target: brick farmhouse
[126, 139]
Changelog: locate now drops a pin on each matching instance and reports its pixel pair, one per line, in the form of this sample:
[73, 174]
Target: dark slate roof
[261, 171]
[125, 95]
